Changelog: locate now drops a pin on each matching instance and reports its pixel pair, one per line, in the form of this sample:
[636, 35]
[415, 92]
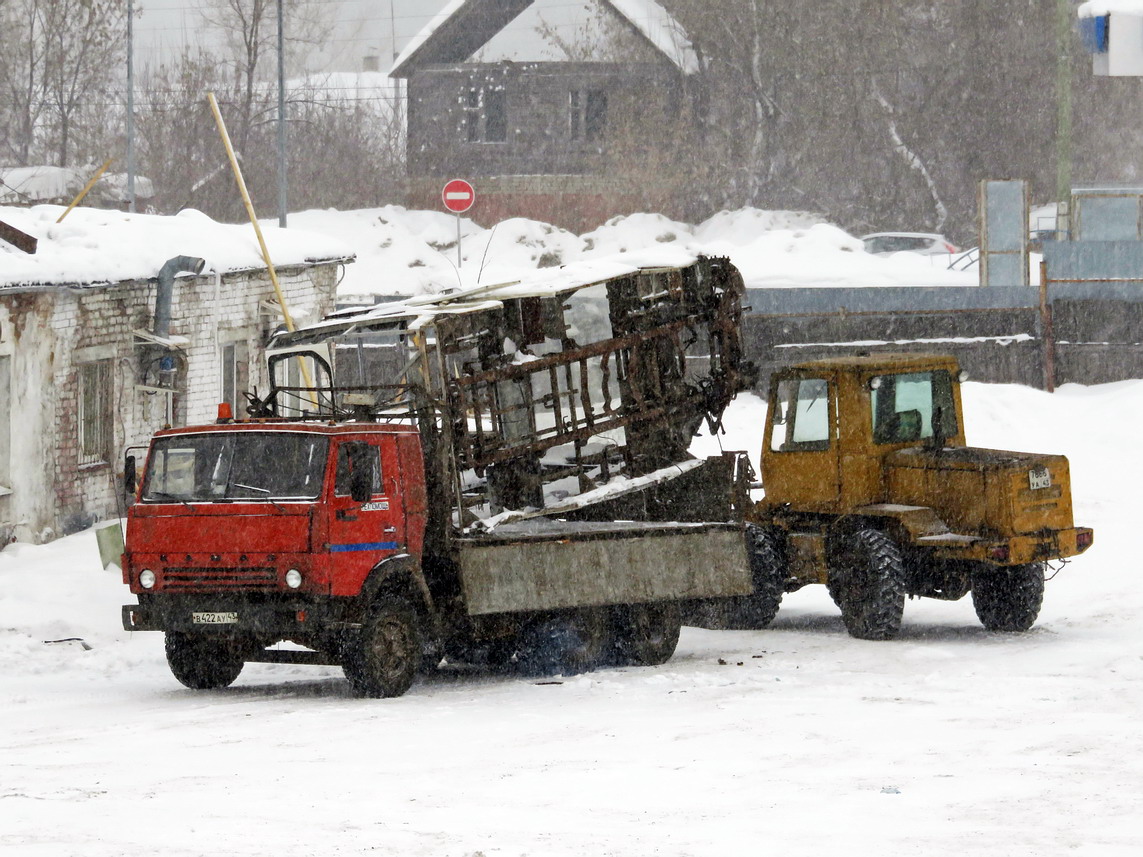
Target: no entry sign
[458, 196]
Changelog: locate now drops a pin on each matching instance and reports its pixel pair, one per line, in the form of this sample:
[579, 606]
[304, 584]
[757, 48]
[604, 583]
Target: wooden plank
[19, 240]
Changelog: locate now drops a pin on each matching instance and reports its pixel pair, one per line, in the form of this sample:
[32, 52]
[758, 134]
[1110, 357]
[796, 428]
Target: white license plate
[1039, 478]
[214, 618]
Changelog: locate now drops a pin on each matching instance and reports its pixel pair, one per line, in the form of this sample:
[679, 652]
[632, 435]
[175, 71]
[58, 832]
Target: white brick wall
[46, 331]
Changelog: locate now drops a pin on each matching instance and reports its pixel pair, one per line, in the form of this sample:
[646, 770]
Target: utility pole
[131, 105]
[1064, 16]
[282, 178]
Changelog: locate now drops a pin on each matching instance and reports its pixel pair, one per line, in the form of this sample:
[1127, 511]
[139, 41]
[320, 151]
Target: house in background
[60, 185]
[117, 325]
[541, 139]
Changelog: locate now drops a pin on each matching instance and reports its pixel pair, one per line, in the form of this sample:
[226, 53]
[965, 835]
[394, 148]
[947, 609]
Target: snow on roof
[1095, 8]
[97, 247]
[651, 20]
[661, 30]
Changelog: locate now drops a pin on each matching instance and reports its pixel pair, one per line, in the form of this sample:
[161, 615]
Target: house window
[235, 375]
[587, 114]
[5, 425]
[485, 115]
[94, 412]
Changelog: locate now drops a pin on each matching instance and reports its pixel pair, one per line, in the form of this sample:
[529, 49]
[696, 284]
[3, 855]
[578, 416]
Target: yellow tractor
[871, 490]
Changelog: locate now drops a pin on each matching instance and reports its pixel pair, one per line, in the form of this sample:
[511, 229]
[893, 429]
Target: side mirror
[779, 417]
[130, 475]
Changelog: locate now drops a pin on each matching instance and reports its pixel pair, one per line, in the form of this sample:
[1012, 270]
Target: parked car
[925, 243]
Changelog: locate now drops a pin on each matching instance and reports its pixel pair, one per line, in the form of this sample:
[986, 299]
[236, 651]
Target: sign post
[458, 197]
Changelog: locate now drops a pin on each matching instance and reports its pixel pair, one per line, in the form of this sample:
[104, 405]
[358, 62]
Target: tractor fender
[398, 575]
[905, 524]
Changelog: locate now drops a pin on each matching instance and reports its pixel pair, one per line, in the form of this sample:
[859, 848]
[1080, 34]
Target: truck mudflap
[551, 565]
[228, 614]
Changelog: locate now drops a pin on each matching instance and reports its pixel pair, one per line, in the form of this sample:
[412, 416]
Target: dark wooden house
[555, 141]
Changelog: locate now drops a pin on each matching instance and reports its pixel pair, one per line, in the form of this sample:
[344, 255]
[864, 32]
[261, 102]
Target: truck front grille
[246, 578]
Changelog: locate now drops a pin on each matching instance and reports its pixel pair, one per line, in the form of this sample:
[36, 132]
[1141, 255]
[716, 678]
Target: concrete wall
[47, 334]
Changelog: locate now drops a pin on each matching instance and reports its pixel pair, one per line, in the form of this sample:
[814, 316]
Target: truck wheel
[870, 586]
[567, 643]
[203, 663]
[647, 634]
[382, 659]
[1009, 599]
[767, 571]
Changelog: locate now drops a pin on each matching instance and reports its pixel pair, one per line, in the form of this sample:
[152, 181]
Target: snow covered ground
[403, 252]
[797, 740]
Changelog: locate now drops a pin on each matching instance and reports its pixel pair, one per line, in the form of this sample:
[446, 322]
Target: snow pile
[1095, 8]
[99, 246]
[403, 252]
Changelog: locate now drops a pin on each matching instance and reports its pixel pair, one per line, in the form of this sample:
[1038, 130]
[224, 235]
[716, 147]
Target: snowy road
[949, 740]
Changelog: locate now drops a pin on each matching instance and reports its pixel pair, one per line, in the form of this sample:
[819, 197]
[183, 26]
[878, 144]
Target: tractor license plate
[214, 618]
[1039, 478]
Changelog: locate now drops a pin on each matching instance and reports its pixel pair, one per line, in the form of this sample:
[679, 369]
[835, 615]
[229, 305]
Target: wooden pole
[86, 188]
[257, 230]
[1047, 335]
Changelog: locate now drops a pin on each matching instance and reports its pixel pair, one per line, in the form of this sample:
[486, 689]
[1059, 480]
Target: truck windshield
[235, 466]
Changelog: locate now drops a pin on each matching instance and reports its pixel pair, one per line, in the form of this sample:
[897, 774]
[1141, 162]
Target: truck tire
[1009, 599]
[647, 634]
[382, 658]
[201, 662]
[570, 643]
[869, 586]
[768, 573]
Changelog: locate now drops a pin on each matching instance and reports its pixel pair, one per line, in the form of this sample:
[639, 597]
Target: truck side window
[801, 416]
[350, 457]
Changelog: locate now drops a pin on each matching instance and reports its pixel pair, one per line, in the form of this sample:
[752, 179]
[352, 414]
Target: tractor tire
[1009, 599]
[382, 659]
[768, 573]
[647, 634]
[201, 662]
[869, 586]
[567, 643]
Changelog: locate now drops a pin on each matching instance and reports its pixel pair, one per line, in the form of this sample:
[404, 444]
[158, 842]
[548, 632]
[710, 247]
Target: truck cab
[269, 530]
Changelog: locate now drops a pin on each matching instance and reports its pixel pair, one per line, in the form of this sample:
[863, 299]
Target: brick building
[542, 139]
[94, 358]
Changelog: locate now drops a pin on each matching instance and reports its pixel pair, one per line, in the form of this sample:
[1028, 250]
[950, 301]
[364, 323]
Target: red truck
[383, 527]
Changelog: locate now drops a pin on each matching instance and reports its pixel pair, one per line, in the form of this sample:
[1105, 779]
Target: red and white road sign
[458, 196]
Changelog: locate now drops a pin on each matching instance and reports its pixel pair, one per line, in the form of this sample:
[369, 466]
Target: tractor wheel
[1009, 599]
[382, 659]
[869, 586]
[750, 612]
[201, 662]
[571, 642]
[647, 634]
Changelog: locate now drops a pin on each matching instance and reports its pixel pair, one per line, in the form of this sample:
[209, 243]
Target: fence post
[1047, 337]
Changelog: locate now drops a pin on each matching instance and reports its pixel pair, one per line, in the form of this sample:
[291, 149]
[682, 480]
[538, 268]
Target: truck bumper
[278, 617]
[1019, 550]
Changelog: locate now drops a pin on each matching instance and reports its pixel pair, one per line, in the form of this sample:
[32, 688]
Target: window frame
[94, 391]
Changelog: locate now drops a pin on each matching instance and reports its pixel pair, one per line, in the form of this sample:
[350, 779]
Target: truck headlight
[293, 578]
[147, 578]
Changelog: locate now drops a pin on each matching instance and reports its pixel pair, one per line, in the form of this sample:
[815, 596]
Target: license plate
[214, 618]
[1039, 478]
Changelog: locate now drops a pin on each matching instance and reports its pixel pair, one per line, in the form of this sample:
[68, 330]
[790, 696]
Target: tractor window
[904, 406]
[801, 416]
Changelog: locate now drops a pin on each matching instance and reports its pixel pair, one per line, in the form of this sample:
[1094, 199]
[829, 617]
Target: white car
[925, 243]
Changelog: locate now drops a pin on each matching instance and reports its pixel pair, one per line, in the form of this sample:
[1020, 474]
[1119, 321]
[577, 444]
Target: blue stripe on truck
[363, 546]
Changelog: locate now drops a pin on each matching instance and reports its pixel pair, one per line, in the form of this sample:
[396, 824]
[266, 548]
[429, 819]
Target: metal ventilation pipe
[165, 294]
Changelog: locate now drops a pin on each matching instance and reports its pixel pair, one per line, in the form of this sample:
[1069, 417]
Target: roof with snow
[463, 26]
[1095, 8]
[95, 247]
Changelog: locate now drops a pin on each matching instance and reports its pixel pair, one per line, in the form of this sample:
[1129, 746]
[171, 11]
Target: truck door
[363, 532]
[800, 459]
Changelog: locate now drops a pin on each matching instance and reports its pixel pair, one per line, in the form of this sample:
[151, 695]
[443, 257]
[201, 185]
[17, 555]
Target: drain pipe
[164, 297]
